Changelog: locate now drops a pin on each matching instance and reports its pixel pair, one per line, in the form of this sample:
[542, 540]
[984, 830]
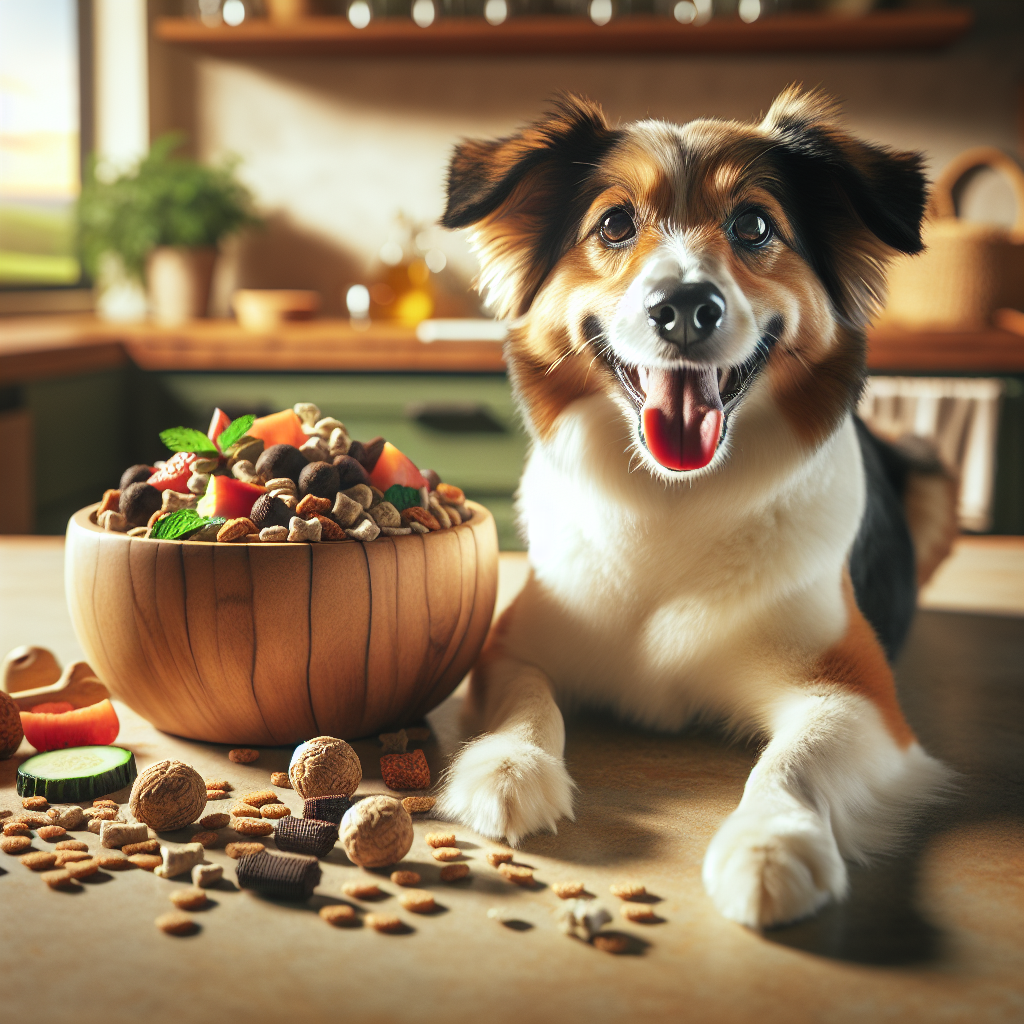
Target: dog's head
[677, 268]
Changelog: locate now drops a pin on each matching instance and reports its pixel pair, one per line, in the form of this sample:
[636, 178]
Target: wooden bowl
[276, 643]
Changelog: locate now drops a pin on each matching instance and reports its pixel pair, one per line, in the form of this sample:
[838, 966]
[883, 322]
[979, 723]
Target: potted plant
[160, 224]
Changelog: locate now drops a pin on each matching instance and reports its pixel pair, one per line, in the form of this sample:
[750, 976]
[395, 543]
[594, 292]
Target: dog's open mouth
[684, 411]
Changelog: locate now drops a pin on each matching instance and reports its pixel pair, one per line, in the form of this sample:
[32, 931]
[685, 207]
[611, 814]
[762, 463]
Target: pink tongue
[682, 416]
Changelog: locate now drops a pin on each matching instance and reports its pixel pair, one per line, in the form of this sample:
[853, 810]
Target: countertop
[935, 933]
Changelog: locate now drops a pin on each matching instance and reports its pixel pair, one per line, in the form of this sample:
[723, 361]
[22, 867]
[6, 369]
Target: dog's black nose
[688, 314]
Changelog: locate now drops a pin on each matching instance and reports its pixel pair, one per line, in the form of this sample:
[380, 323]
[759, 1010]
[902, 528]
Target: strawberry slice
[175, 473]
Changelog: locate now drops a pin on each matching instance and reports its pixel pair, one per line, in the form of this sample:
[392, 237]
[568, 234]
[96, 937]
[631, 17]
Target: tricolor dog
[712, 534]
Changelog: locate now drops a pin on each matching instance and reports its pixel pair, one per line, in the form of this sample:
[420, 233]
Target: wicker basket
[968, 270]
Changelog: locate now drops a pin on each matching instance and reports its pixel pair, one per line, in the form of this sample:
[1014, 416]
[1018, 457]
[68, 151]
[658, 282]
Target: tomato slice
[96, 725]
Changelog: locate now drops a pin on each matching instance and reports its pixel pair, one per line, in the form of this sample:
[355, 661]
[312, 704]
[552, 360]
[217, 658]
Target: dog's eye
[617, 227]
[752, 228]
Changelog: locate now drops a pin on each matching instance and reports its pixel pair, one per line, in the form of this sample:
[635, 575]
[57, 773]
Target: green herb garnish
[185, 439]
[177, 524]
[234, 431]
[402, 497]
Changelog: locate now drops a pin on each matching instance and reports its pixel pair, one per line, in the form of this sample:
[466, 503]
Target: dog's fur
[738, 591]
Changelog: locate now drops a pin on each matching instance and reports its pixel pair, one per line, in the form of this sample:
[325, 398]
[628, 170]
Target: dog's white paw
[505, 787]
[768, 869]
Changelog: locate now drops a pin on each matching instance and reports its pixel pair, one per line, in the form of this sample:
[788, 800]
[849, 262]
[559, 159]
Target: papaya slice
[395, 468]
[96, 725]
[279, 428]
[225, 496]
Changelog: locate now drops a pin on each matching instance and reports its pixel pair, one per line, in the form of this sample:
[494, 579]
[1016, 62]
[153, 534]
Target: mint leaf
[402, 497]
[177, 524]
[185, 439]
[234, 430]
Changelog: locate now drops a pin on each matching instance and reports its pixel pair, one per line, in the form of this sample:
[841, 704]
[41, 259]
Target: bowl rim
[83, 519]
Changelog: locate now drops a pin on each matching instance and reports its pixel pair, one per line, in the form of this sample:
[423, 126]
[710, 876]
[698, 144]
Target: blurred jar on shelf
[226, 12]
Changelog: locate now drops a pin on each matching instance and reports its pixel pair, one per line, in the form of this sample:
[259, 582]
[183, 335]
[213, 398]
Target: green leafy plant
[188, 439]
[163, 200]
[182, 523]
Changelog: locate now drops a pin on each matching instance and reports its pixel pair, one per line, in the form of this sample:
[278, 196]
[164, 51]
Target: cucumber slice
[77, 773]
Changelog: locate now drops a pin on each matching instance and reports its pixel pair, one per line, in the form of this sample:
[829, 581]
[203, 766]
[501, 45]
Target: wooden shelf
[470, 37]
[943, 352]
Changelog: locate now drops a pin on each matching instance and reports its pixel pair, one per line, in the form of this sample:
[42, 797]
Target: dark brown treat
[431, 477]
[281, 460]
[139, 502]
[283, 876]
[306, 835]
[405, 771]
[269, 510]
[146, 846]
[135, 475]
[326, 808]
[329, 529]
[350, 472]
[367, 453]
[321, 479]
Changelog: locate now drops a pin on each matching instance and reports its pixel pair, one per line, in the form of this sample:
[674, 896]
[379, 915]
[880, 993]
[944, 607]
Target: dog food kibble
[178, 859]
[418, 804]
[394, 742]
[39, 861]
[437, 839]
[213, 821]
[146, 861]
[82, 868]
[496, 857]
[205, 875]
[281, 780]
[189, 899]
[168, 795]
[68, 818]
[15, 844]
[221, 784]
[31, 818]
[306, 835]
[362, 890]
[406, 878]
[388, 923]
[236, 851]
[454, 872]
[252, 826]
[146, 846]
[326, 808]
[112, 862]
[582, 919]
[243, 755]
[568, 890]
[4, 813]
[35, 803]
[642, 913]
[217, 794]
[273, 811]
[51, 832]
[16, 828]
[71, 857]
[115, 834]
[610, 943]
[259, 798]
[446, 853]
[206, 839]
[405, 771]
[376, 832]
[325, 766]
[72, 844]
[341, 915]
[103, 801]
[59, 879]
[418, 901]
[627, 890]
[284, 876]
[245, 811]
[517, 875]
[176, 923]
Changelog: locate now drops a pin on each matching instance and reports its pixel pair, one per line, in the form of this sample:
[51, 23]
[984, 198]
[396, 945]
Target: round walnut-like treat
[139, 501]
[376, 832]
[281, 460]
[11, 731]
[168, 795]
[319, 478]
[269, 510]
[325, 766]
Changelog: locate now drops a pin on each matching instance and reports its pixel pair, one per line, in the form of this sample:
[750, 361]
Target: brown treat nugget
[437, 839]
[451, 494]
[259, 798]
[418, 804]
[453, 872]
[245, 811]
[275, 811]
[418, 901]
[72, 844]
[236, 851]
[65, 857]
[568, 890]
[111, 862]
[281, 780]
[362, 890]
[496, 857]
[146, 846]
[16, 828]
[243, 755]
[446, 853]
[329, 529]
[219, 784]
[236, 529]
[51, 832]
[189, 899]
[35, 803]
[104, 801]
[517, 875]
[417, 733]
[146, 861]
[83, 868]
[627, 890]
[405, 878]
[31, 818]
[15, 844]
[4, 813]
[642, 913]
[311, 505]
[59, 879]
[217, 794]
[341, 915]
[405, 771]
[214, 821]
[39, 861]
[252, 827]
[176, 923]
[103, 813]
[207, 839]
[610, 943]
[389, 923]
[421, 516]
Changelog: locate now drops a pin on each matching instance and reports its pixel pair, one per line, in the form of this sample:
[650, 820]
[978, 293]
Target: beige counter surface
[935, 934]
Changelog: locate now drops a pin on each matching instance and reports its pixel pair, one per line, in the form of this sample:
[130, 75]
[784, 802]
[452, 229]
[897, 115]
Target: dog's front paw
[763, 870]
[505, 787]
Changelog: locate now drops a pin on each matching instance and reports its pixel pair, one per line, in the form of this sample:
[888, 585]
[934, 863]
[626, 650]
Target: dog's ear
[855, 205]
[524, 196]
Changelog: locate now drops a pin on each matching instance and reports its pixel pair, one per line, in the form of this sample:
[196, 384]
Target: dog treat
[33, 819]
[341, 915]
[51, 832]
[568, 890]
[15, 844]
[394, 742]
[39, 861]
[206, 839]
[68, 818]
[362, 890]
[284, 876]
[59, 879]
[82, 868]
[252, 827]
[189, 899]
[376, 832]
[273, 811]
[243, 755]
[259, 798]
[324, 766]
[454, 872]
[514, 873]
[146, 861]
[176, 923]
[245, 811]
[642, 913]
[221, 784]
[405, 878]
[418, 804]
[437, 839]
[104, 801]
[446, 853]
[70, 857]
[280, 780]
[102, 814]
[405, 771]
[217, 794]
[4, 813]
[496, 857]
[16, 828]
[214, 821]
[583, 919]
[388, 923]
[205, 875]
[72, 844]
[627, 890]
[115, 834]
[418, 901]
[146, 846]
[610, 943]
[112, 862]
[35, 803]
[326, 808]
[168, 795]
[306, 835]
[179, 859]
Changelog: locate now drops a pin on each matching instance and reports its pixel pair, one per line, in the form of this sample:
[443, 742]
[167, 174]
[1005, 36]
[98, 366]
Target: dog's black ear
[855, 205]
[524, 195]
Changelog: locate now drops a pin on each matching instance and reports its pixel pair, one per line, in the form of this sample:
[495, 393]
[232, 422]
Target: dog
[712, 533]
